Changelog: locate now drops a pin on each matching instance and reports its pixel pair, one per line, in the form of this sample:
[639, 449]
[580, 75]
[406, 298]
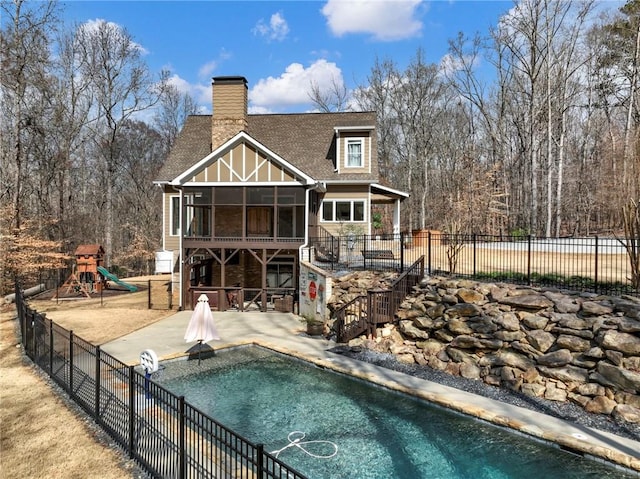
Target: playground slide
[115, 279]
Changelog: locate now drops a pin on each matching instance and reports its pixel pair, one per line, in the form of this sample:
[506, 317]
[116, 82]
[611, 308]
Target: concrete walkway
[285, 333]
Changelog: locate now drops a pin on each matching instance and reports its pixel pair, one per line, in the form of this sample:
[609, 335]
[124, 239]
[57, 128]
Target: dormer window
[354, 153]
[354, 148]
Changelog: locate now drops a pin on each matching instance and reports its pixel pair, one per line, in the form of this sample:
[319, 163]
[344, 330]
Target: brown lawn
[41, 435]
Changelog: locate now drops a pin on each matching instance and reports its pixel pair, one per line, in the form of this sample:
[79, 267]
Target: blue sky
[282, 46]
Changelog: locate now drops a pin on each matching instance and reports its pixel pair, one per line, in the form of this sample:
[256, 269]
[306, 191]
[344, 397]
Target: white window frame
[175, 232]
[189, 213]
[351, 202]
[348, 142]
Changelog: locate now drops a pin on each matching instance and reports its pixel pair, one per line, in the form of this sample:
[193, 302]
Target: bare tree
[377, 95]
[70, 105]
[563, 23]
[25, 56]
[617, 41]
[140, 218]
[171, 113]
[122, 87]
[332, 99]
[631, 242]
[486, 106]
[520, 33]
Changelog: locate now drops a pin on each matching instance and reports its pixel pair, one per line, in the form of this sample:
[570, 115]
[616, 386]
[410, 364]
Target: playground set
[89, 275]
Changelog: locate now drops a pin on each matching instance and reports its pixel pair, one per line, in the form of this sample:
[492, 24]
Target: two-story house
[244, 194]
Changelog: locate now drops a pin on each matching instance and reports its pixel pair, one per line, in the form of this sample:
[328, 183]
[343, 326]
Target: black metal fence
[167, 436]
[594, 264]
[363, 313]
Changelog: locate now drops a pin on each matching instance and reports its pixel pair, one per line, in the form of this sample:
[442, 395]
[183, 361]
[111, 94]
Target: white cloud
[200, 93]
[207, 69]
[293, 86]
[449, 65]
[276, 30]
[384, 20]
[118, 31]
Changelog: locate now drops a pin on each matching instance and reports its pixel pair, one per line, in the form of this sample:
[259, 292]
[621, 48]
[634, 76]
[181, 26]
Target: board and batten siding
[243, 164]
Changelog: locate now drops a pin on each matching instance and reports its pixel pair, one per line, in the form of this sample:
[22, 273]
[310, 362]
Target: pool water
[266, 397]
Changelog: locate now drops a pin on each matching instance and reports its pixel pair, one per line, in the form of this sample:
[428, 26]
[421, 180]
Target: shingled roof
[306, 140]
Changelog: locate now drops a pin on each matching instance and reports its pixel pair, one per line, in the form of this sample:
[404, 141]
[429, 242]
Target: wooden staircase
[362, 314]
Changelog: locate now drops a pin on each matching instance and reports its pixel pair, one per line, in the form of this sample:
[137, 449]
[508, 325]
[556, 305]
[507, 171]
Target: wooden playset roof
[89, 250]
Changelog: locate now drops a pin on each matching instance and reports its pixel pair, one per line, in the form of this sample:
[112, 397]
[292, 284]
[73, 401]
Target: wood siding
[243, 164]
[171, 243]
[346, 192]
[366, 152]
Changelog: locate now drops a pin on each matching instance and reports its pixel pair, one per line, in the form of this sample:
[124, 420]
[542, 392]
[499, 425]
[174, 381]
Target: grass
[41, 436]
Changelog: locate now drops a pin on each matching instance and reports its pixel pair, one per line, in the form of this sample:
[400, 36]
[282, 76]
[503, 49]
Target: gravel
[565, 410]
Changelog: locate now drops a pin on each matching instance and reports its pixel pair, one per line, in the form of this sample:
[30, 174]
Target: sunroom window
[175, 215]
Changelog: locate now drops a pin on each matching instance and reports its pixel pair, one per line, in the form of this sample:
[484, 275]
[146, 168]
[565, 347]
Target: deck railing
[243, 299]
[162, 432]
[326, 246]
[363, 313]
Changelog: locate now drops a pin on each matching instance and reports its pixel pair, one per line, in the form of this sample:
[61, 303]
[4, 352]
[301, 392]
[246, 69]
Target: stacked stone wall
[557, 345]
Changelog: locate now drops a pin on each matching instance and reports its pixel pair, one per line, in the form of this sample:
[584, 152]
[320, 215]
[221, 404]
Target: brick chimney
[230, 98]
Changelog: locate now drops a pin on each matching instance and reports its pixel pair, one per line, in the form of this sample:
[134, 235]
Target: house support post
[396, 217]
[263, 299]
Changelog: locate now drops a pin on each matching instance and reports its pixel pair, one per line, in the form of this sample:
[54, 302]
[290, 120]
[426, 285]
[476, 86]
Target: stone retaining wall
[582, 348]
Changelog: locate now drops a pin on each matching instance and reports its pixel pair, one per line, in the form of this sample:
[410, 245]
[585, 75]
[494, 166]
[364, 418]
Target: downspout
[167, 228]
[306, 223]
[181, 271]
[318, 186]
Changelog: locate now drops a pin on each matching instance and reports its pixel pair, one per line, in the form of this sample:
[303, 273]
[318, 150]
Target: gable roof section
[308, 140]
[304, 141]
[240, 138]
[89, 250]
[192, 144]
[388, 193]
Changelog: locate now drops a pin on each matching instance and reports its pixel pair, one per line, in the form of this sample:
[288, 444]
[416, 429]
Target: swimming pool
[269, 398]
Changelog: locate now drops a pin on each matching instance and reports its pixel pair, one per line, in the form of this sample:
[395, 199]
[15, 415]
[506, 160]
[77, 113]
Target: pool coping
[285, 334]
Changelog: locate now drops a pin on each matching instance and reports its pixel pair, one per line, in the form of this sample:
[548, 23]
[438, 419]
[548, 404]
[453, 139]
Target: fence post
[595, 286]
[401, 252]
[260, 461]
[50, 348]
[528, 259]
[182, 452]
[332, 253]
[22, 315]
[132, 405]
[149, 294]
[474, 255]
[37, 317]
[71, 364]
[97, 391]
[429, 252]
